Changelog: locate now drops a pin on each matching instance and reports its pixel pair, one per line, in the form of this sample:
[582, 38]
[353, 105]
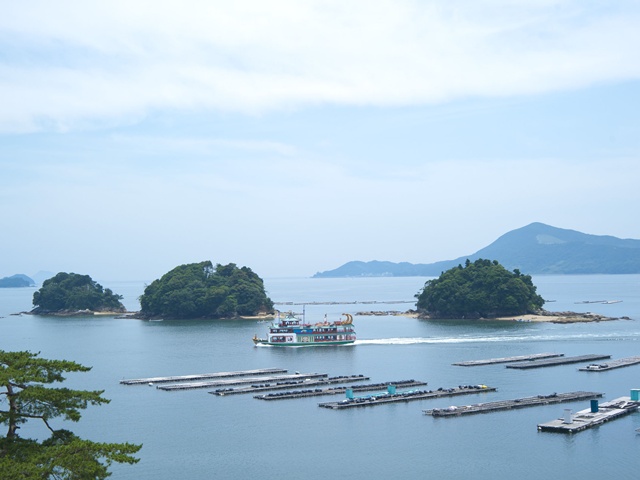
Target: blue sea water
[192, 435]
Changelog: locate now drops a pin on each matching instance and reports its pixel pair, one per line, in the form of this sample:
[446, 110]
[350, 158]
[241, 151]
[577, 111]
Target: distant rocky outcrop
[16, 281]
[534, 249]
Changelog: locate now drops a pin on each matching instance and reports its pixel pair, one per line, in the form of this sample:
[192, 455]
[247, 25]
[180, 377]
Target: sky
[292, 137]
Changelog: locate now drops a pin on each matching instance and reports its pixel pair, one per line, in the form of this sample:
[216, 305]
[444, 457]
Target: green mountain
[16, 281]
[534, 249]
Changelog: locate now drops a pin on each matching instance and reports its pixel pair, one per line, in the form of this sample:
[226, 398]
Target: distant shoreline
[548, 317]
[544, 316]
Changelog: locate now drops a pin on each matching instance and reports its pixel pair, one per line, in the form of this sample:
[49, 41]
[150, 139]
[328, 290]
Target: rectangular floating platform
[202, 376]
[221, 392]
[602, 367]
[239, 381]
[337, 390]
[386, 398]
[456, 411]
[551, 362]
[519, 358]
[586, 418]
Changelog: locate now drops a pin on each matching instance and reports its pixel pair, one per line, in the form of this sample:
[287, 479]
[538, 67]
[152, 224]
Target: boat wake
[414, 341]
[499, 339]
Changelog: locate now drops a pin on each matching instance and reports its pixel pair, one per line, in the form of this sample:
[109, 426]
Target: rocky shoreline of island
[562, 317]
[76, 313]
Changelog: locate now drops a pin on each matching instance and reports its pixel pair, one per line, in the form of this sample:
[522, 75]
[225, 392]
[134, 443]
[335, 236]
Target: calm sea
[193, 435]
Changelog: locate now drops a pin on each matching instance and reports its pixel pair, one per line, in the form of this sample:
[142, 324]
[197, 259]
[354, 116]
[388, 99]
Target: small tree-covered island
[200, 290]
[482, 289]
[72, 293]
[485, 289]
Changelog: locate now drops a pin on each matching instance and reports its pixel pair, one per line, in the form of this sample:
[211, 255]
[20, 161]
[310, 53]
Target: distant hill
[41, 276]
[16, 281]
[534, 249]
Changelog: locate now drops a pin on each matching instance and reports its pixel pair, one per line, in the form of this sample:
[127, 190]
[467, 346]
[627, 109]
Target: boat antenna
[303, 312]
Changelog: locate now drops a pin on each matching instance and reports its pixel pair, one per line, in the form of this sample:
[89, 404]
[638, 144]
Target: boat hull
[302, 344]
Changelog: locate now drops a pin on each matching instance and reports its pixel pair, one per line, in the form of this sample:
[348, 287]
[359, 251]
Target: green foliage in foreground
[198, 290]
[71, 291]
[483, 288]
[24, 396]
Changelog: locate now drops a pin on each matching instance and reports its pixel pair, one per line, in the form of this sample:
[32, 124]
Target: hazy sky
[292, 137]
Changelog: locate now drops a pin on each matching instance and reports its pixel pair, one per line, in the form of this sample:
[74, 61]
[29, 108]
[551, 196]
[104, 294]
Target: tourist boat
[291, 331]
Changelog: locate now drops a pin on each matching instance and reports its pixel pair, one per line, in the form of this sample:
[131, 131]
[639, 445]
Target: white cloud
[165, 171]
[200, 146]
[74, 61]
